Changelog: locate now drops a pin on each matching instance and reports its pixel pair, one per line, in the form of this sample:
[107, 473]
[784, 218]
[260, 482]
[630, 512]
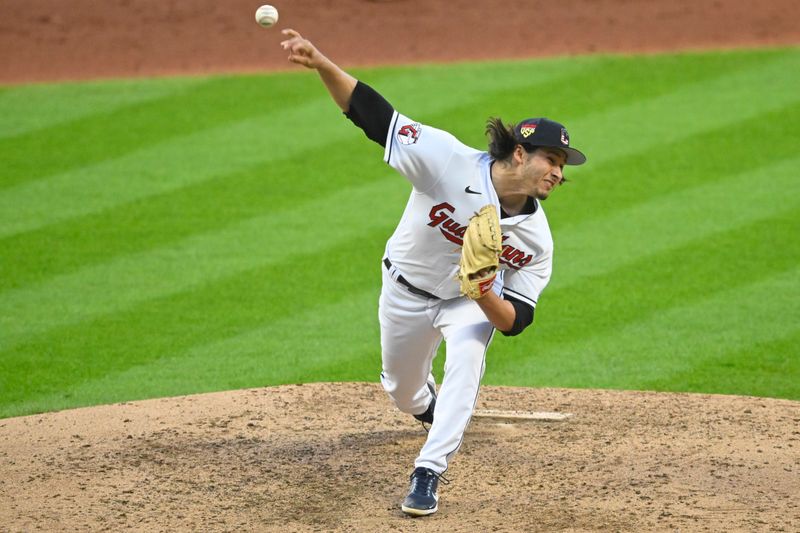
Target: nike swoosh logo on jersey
[470, 191]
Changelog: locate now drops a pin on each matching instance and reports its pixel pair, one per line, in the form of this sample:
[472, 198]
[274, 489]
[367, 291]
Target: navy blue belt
[412, 289]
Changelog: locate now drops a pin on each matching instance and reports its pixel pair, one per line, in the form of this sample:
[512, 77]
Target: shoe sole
[418, 512]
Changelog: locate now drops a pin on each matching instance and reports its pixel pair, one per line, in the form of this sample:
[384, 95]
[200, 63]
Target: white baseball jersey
[451, 183]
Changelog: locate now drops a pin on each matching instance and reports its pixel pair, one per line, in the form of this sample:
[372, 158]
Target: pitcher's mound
[336, 457]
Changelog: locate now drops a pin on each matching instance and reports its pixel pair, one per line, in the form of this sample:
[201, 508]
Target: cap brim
[574, 157]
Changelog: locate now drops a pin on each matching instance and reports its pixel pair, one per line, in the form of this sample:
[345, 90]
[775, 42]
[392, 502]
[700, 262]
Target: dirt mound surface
[43, 40]
[335, 457]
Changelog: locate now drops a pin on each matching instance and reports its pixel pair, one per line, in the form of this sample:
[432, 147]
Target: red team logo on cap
[409, 133]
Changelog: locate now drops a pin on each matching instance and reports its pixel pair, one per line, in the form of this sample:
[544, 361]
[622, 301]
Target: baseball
[266, 16]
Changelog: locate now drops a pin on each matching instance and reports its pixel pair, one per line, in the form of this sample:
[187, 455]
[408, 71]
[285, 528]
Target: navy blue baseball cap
[545, 132]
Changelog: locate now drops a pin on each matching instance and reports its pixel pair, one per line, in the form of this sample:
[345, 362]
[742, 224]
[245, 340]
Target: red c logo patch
[409, 134]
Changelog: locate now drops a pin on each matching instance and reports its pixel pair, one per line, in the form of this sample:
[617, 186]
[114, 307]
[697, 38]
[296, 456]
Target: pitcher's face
[543, 170]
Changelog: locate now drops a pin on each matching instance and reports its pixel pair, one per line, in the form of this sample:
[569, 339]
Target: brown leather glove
[480, 254]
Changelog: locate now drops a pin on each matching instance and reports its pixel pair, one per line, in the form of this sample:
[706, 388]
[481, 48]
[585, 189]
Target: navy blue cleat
[422, 497]
[427, 416]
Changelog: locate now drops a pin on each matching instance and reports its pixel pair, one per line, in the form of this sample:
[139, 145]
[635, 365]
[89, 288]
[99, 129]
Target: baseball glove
[480, 253]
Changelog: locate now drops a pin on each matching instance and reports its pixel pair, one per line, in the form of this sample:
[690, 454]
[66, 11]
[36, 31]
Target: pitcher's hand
[301, 51]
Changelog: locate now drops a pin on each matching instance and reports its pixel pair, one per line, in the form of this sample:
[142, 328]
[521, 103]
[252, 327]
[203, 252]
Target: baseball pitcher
[471, 255]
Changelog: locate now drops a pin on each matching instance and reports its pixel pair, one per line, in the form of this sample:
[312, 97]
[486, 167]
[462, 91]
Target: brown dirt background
[335, 457]
[43, 40]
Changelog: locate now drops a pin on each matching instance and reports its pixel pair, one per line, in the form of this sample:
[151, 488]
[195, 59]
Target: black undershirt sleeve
[523, 318]
[371, 112]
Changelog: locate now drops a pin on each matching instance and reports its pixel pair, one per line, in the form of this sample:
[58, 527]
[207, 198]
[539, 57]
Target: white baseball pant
[412, 328]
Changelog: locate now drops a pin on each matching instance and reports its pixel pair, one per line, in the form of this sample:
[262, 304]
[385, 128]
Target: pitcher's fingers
[292, 40]
[288, 44]
[296, 43]
[300, 60]
[300, 48]
[289, 31]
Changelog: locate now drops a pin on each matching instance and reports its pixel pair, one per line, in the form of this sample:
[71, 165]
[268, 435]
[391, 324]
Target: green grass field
[175, 236]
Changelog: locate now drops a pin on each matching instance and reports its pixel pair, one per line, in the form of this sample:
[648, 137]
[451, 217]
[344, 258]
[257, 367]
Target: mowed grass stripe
[25, 110]
[762, 367]
[340, 339]
[600, 245]
[605, 189]
[723, 326]
[570, 319]
[700, 210]
[105, 183]
[612, 84]
[165, 167]
[696, 108]
[270, 353]
[634, 126]
[211, 106]
[603, 245]
[179, 162]
[156, 222]
[596, 296]
[313, 227]
[106, 135]
[342, 334]
[135, 226]
[740, 254]
[67, 149]
[198, 207]
[156, 328]
[425, 92]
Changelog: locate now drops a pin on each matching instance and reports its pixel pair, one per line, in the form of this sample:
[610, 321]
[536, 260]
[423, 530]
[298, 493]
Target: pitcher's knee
[406, 398]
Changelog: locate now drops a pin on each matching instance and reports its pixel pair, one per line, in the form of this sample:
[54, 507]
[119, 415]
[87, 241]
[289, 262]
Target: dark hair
[502, 140]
